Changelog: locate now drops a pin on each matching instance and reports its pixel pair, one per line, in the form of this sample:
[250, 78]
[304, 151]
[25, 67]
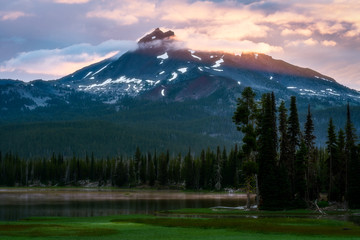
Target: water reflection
[22, 203]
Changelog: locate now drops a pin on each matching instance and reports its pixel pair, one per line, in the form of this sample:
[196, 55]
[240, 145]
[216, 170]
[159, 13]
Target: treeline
[287, 167]
[211, 170]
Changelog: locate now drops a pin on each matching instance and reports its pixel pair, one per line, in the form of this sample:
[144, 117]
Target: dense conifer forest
[277, 161]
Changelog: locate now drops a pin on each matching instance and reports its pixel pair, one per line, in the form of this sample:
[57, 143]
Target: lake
[20, 203]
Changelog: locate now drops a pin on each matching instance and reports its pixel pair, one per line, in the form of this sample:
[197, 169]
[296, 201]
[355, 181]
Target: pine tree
[312, 191]
[353, 164]
[203, 177]
[121, 176]
[245, 119]
[137, 163]
[151, 171]
[341, 164]
[284, 164]
[218, 169]
[293, 132]
[163, 169]
[189, 171]
[332, 150]
[299, 176]
[267, 157]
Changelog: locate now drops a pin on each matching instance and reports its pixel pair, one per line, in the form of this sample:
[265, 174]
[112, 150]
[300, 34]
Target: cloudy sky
[51, 38]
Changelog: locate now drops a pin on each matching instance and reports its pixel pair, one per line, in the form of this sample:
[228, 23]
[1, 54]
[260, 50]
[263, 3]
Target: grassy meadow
[214, 225]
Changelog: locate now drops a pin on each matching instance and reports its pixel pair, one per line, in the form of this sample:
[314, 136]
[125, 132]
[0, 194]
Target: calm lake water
[18, 204]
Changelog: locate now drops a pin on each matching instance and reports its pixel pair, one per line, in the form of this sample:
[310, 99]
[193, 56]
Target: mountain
[161, 96]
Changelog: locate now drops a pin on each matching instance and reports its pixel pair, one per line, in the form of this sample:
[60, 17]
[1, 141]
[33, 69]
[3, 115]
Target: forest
[276, 160]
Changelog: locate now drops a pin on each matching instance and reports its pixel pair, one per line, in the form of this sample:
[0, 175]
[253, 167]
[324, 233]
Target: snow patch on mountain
[194, 56]
[87, 75]
[106, 82]
[163, 56]
[182, 70]
[100, 69]
[173, 76]
[124, 79]
[218, 63]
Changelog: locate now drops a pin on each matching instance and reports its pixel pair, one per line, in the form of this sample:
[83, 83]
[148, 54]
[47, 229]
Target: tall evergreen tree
[218, 169]
[189, 172]
[267, 157]
[332, 150]
[299, 176]
[341, 164]
[245, 118]
[284, 159]
[312, 191]
[309, 137]
[353, 164]
[293, 131]
[137, 164]
[151, 171]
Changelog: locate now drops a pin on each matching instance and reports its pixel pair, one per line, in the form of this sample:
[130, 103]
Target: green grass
[234, 212]
[133, 227]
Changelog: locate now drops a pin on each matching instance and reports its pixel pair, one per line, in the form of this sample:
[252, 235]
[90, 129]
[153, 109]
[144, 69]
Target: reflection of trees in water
[20, 205]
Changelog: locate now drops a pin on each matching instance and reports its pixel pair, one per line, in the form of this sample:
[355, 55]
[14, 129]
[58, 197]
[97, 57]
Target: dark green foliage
[353, 164]
[342, 171]
[267, 156]
[163, 169]
[246, 119]
[333, 190]
[284, 160]
[299, 177]
[293, 132]
[111, 130]
[309, 137]
[312, 191]
[189, 171]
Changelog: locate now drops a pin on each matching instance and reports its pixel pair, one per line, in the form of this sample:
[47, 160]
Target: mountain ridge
[163, 90]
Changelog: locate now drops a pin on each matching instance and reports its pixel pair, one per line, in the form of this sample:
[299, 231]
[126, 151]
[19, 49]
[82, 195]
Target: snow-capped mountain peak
[157, 34]
[161, 70]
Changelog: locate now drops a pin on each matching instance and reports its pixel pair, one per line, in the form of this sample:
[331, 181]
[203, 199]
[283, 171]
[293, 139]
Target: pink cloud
[60, 62]
[7, 16]
[299, 31]
[125, 12]
[328, 43]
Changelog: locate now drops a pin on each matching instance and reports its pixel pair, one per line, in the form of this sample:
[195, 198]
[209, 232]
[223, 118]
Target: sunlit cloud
[299, 31]
[193, 39]
[306, 42]
[125, 12]
[328, 43]
[8, 16]
[60, 62]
